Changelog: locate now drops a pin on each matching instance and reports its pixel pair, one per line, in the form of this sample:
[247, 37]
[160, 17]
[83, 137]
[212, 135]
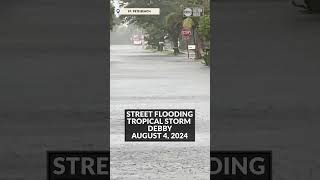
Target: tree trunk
[198, 43]
[176, 46]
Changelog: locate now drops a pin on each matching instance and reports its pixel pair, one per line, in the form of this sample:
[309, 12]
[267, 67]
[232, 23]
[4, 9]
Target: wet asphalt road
[266, 84]
[142, 79]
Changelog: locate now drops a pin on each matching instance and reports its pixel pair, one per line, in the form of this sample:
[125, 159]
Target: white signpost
[197, 11]
[187, 12]
[139, 11]
[191, 47]
[193, 12]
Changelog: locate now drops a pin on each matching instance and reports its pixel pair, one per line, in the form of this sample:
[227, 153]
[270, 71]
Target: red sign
[186, 37]
[186, 33]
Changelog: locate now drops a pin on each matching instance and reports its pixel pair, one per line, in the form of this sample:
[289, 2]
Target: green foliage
[111, 17]
[206, 59]
[188, 23]
[173, 24]
[154, 26]
[170, 21]
[154, 34]
[113, 20]
[204, 27]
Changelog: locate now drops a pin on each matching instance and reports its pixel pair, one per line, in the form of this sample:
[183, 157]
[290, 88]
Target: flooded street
[141, 79]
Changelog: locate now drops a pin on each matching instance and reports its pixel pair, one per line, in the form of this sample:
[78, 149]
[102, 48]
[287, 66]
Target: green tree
[111, 17]
[201, 27]
[173, 26]
[156, 27]
[204, 27]
[170, 21]
[113, 20]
